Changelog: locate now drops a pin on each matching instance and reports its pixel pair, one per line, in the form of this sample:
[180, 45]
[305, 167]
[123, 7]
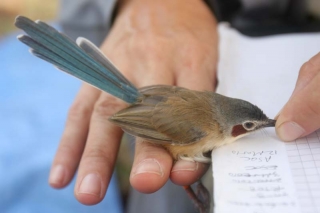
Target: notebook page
[304, 159]
[255, 176]
[264, 71]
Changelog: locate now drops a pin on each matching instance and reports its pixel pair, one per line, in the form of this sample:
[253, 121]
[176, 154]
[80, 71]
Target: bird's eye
[249, 125]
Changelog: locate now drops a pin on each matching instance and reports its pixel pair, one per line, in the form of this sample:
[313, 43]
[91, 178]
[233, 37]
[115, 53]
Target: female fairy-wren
[187, 123]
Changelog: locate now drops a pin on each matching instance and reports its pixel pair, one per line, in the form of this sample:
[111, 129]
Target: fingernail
[148, 166]
[290, 131]
[57, 175]
[183, 165]
[91, 184]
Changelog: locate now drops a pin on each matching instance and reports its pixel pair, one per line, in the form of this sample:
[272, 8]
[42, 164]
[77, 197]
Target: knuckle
[107, 107]
[150, 43]
[195, 46]
[313, 109]
[145, 149]
[98, 155]
[197, 56]
[79, 111]
[306, 67]
[68, 150]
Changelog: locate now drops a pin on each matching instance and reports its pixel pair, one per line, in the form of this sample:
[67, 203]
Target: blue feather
[85, 61]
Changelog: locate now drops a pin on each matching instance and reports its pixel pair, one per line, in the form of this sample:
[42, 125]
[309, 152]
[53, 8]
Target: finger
[307, 72]
[98, 159]
[301, 115]
[151, 167]
[73, 138]
[152, 164]
[185, 173]
[198, 79]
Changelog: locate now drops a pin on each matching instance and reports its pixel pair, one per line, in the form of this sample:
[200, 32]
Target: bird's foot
[201, 198]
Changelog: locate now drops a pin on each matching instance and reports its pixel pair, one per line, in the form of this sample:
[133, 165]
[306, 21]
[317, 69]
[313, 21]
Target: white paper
[253, 176]
[304, 159]
[264, 72]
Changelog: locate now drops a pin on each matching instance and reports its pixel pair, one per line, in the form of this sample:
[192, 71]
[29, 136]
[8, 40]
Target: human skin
[159, 42]
[301, 114]
[151, 42]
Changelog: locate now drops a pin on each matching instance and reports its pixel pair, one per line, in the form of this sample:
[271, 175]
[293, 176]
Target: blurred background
[34, 9]
[34, 100]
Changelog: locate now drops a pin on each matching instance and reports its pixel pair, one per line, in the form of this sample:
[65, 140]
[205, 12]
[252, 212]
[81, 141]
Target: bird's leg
[201, 199]
[203, 193]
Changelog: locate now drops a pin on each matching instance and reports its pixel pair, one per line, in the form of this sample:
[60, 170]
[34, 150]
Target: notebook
[259, 173]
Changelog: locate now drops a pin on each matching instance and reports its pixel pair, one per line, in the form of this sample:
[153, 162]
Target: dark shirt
[92, 18]
[265, 17]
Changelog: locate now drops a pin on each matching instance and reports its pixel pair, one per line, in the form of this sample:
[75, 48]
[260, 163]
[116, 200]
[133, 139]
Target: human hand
[151, 42]
[301, 115]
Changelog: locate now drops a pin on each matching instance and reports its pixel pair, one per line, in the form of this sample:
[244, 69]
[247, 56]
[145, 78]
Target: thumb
[301, 115]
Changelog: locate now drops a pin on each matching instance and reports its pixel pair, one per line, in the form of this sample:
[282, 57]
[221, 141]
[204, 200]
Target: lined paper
[304, 159]
[264, 71]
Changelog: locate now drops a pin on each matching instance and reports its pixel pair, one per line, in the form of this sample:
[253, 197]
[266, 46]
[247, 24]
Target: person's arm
[301, 115]
[151, 42]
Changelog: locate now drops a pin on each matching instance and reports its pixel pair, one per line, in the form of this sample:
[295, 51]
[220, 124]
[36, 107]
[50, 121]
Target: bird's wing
[168, 115]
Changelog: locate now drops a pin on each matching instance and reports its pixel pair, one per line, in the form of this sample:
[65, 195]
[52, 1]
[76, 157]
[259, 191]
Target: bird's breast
[197, 149]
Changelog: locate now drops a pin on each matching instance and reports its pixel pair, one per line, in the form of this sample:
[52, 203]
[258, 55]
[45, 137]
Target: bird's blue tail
[82, 59]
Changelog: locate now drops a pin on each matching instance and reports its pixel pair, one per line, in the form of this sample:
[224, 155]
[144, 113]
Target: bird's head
[238, 117]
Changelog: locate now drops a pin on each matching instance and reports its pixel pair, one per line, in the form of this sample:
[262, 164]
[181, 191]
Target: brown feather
[168, 115]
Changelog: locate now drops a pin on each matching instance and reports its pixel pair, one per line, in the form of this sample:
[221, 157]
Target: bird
[187, 123]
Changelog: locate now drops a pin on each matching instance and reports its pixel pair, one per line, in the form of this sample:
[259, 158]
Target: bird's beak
[269, 123]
